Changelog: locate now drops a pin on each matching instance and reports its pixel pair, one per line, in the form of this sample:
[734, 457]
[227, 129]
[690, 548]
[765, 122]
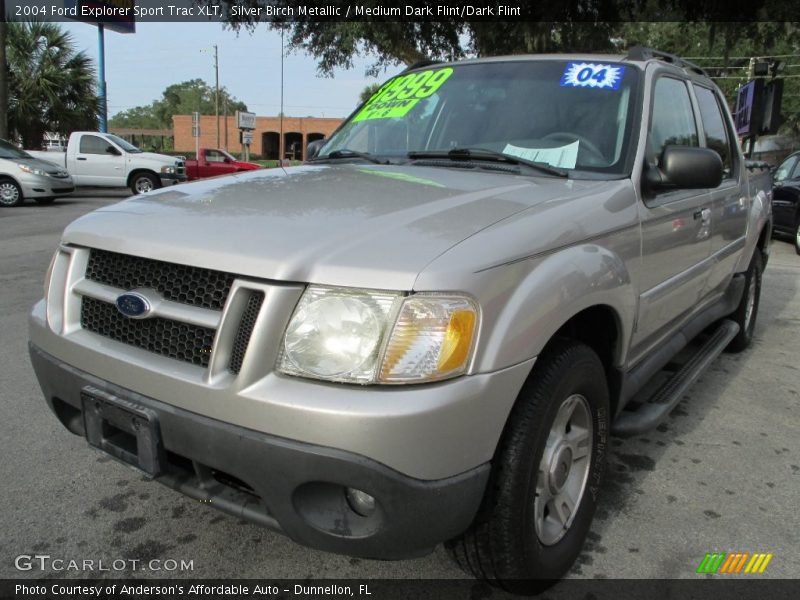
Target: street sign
[195, 118]
[247, 137]
[195, 131]
[245, 120]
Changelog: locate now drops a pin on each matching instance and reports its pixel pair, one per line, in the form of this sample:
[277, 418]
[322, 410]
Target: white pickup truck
[106, 160]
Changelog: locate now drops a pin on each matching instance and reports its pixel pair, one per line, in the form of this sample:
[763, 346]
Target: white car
[23, 176]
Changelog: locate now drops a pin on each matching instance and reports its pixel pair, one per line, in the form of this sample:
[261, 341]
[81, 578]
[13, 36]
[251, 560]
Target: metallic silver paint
[532, 251]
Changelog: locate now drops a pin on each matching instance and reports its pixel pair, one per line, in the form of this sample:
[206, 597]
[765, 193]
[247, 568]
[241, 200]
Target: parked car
[22, 176]
[428, 332]
[106, 160]
[786, 199]
[215, 161]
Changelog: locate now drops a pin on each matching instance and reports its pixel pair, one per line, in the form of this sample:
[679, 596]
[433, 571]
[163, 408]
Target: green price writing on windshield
[400, 95]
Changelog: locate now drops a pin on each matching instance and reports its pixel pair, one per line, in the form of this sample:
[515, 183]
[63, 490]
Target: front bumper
[168, 179]
[294, 487]
[38, 186]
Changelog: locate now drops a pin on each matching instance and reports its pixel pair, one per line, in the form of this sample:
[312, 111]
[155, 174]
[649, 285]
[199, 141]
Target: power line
[741, 57]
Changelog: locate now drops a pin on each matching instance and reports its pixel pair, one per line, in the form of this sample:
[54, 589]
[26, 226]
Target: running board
[667, 397]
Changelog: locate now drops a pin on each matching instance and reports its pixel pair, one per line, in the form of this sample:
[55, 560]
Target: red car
[215, 161]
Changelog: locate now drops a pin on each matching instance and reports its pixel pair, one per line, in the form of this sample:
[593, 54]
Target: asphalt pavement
[721, 474]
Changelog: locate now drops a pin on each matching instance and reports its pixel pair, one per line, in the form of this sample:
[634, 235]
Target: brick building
[297, 133]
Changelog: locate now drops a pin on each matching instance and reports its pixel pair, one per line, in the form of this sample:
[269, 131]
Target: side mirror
[314, 148]
[113, 151]
[685, 167]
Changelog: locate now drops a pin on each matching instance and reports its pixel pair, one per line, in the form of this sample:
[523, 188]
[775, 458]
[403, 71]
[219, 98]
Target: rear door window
[717, 137]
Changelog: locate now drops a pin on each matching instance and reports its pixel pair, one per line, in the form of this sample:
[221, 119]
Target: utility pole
[216, 95]
[101, 78]
[3, 74]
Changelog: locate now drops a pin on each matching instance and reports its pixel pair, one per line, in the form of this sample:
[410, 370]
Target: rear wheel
[797, 237]
[747, 311]
[141, 183]
[546, 475]
[10, 193]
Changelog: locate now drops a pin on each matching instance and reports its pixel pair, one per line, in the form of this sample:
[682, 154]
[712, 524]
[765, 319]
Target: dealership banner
[122, 15]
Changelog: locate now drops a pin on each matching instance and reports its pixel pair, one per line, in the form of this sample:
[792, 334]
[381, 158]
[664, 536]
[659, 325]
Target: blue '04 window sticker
[591, 75]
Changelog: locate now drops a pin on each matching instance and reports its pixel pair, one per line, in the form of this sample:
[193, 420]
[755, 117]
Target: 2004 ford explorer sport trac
[426, 333]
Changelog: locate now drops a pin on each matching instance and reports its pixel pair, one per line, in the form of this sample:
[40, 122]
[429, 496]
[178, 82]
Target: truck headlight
[32, 170]
[168, 170]
[367, 336]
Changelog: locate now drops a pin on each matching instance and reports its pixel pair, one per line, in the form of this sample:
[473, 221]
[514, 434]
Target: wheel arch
[140, 171]
[584, 290]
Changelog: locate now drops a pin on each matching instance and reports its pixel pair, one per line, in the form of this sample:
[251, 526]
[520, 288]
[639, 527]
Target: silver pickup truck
[428, 332]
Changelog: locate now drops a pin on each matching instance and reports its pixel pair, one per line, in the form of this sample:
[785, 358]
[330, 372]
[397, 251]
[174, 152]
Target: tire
[142, 183]
[10, 193]
[44, 201]
[516, 541]
[747, 311]
[797, 237]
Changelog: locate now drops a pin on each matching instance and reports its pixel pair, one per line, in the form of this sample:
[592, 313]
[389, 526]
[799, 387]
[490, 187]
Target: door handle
[81, 158]
[704, 215]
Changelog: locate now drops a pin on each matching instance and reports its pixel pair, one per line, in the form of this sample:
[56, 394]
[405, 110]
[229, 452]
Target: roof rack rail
[645, 53]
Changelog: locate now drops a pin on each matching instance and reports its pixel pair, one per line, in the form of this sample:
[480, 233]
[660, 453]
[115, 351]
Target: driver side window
[672, 121]
[92, 144]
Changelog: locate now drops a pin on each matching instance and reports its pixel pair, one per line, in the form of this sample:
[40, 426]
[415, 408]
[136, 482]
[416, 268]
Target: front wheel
[10, 193]
[747, 311]
[546, 475]
[143, 183]
[797, 237]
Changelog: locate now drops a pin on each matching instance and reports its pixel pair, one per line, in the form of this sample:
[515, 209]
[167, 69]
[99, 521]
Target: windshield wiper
[487, 155]
[347, 153]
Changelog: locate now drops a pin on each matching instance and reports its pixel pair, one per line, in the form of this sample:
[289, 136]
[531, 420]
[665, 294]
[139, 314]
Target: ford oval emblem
[133, 305]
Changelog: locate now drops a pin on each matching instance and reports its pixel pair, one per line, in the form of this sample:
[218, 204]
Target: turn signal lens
[431, 340]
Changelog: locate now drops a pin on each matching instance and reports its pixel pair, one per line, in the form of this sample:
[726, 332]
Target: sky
[140, 66]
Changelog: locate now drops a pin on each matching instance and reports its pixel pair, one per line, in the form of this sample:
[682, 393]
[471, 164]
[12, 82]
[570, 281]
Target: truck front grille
[173, 339]
[195, 286]
[245, 331]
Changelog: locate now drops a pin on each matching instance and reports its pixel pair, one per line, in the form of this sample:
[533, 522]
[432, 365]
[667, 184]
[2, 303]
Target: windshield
[123, 144]
[10, 151]
[566, 114]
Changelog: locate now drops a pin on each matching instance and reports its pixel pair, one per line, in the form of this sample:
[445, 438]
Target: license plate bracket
[123, 429]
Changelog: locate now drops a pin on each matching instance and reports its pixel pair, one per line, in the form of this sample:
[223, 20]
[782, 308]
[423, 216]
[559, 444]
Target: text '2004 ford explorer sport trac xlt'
[428, 332]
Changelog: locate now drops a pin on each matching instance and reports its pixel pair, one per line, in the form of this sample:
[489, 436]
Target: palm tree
[51, 86]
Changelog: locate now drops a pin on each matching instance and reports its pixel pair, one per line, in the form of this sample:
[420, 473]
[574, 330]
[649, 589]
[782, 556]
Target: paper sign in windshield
[591, 75]
[400, 95]
[563, 157]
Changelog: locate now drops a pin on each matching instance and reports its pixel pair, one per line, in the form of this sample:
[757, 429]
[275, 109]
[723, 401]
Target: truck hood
[247, 166]
[351, 224]
[161, 159]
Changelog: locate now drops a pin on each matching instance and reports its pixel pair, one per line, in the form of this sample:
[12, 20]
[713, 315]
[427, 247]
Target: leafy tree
[51, 86]
[682, 27]
[368, 91]
[178, 99]
[724, 51]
